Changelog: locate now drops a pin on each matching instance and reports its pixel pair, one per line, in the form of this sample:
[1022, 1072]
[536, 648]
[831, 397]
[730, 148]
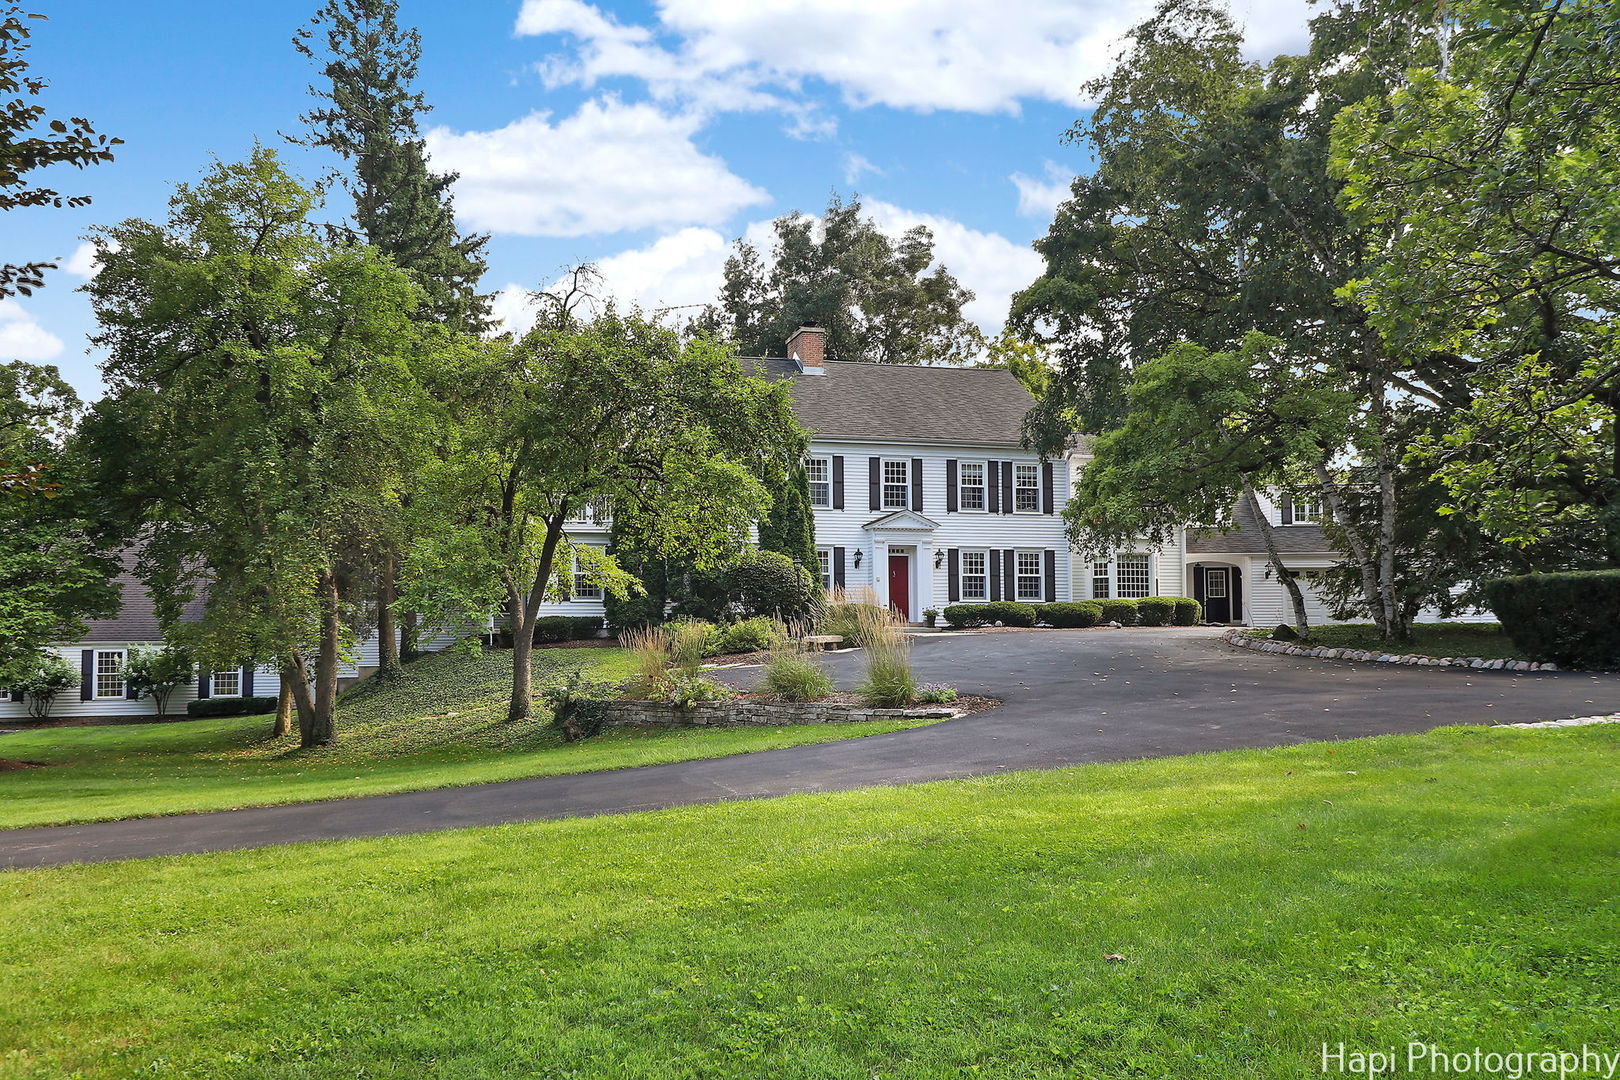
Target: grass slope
[443, 725]
[1485, 640]
[1455, 887]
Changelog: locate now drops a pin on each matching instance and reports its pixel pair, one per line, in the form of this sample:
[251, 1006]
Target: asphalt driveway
[1070, 697]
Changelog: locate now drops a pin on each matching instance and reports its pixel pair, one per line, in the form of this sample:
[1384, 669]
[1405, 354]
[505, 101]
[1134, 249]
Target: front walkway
[1071, 697]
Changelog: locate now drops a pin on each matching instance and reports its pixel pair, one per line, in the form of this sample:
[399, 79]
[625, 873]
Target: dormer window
[1307, 511]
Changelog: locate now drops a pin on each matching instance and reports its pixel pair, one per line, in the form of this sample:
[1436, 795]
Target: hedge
[230, 706]
[1010, 613]
[1120, 611]
[1189, 612]
[550, 628]
[1155, 610]
[967, 616]
[1570, 619]
[1070, 616]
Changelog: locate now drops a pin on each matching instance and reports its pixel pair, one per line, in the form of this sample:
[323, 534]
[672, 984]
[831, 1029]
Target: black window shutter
[875, 467]
[950, 486]
[16, 695]
[1051, 575]
[916, 484]
[130, 692]
[954, 565]
[1009, 567]
[247, 680]
[1006, 487]
[992, 472]
[87, 675]
[205, 679]
[995, 574]
[1288, 510]
[1047, 489]
[838, 567]
[838, 481]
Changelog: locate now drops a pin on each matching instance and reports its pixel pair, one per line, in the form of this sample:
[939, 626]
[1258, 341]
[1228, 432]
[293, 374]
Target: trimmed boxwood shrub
[1010, 613]
[1155, 610]
[1069, 616]
[1571, 619]
[1120, 611]
[230, 706]
[550, 628]
[1189, 612]
[967, 616]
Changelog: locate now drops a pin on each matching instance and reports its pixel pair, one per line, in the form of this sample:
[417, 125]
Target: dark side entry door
[1220, 590]
[900, 584]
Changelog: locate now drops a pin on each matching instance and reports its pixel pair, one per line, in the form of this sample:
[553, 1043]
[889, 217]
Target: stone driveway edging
[769, 714]
[1574, 721]
[1323, 652]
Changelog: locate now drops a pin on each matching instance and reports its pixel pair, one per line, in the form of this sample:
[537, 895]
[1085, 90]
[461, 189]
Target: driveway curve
[1070, 697]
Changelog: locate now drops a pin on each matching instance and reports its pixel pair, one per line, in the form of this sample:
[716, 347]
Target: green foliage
[578, 704]
[1119, 610]
[851, 620]
[790, 525]
[1571, 619]
[792, 676]
[1066, 615]
[889, 683]
[875, 296]
[1156, 610]
[690, 642]
[936, 694]
[686, 690]
[968, 616]
[158, 672]
[552, 628]
[753, 583]
[747, 635]
[231, 706]
[1189, 612]
[41, 677]
[1010, 613]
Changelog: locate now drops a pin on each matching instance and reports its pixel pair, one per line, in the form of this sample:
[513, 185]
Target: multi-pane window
[819, 469]
[1099, 580]
[824, 563]
[1027, 578]
[227, 683]
[896, 484]
[1215, 585]
[1307, 511]
[584, 587]
[970, 484]
[1027, 489]
[110, 674]
[975, 575]
[1132, 577]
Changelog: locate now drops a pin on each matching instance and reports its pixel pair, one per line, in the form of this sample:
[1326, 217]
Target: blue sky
[643, 136]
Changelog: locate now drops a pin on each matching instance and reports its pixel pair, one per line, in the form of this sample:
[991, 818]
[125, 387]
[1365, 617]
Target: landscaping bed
[761, 711]
[1442, 640]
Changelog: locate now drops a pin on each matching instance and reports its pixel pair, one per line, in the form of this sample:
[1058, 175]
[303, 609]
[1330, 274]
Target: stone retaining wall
[1244, 641]
[764, 713]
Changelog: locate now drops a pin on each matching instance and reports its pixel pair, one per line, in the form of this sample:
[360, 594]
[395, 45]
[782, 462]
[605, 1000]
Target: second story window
[1307, 511]
[971, 485]
[896, 484]
[819, 470]
[584, 587]
[1027, 489]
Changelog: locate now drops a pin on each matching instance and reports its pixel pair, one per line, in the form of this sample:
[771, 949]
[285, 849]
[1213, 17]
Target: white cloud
[1040, 198]
[608, 168]
[22, 338]
[986, 262]
[911, 54]
[855, 165]
[83, 262]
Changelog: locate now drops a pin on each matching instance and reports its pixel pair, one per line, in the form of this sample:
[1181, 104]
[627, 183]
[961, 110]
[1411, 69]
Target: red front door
[900, 584]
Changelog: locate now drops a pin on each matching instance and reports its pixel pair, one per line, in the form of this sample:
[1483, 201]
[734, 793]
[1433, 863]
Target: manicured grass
[1484, 640]
[443, 725]
[1455, 887]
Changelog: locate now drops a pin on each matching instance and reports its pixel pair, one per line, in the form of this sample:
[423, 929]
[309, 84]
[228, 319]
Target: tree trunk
[1302, 621]
[1358, 550]
[524, 612]
[319, 730]
[302, 698]
[407, 636]
[284, 705]
[1612, 510]
[387, 630]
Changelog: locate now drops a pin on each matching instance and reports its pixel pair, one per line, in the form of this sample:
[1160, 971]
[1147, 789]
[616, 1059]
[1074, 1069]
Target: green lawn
[1454, 887]
[443, 725]
[1484, 640]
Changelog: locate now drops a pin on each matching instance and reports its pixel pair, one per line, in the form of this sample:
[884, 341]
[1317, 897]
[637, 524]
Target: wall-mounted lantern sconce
[939, 559]
[857, 558]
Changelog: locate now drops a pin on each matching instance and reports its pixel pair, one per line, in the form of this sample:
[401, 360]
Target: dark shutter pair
[838, 567]
[875, 484]
[838, 482]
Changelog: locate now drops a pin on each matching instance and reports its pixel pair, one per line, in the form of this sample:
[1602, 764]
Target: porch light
[939, 559]
[857, 558]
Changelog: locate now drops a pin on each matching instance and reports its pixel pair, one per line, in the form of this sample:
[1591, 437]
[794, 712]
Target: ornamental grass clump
[691, 641]
[648, 647]
[889, 683]
[791, 675]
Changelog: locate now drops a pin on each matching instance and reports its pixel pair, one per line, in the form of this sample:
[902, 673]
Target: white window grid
[1307, 511]
[1215, 584]
[109, 674]
[1027, 578]
[1100, 579]
[1133, 577]
[584, 587]
[975, 575]
[896, 484]
[970, 485]
[824, 565]
[1026, 489]
[226, 683]
[819, 470]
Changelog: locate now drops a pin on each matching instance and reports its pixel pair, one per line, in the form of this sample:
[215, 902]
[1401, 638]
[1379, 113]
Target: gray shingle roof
[1246, 538]
[907, 402]
[136, 620]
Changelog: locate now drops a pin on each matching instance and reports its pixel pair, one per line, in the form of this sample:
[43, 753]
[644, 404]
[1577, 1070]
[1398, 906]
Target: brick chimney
[807, 348]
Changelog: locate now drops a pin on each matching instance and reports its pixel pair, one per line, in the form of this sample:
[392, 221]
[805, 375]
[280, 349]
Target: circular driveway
[1070, 697]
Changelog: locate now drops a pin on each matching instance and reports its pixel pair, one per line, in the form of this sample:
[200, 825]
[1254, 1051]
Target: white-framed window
[975, 575]
[970, 486]
[226, 683]
[1215, 584]
[1307, 511]
[584, 587]
[110, 673]
[819, 470]
[896, 483]
[824, 565]
[1133, 577]
[1100, 578]
[1026, 489]
[1027, 576]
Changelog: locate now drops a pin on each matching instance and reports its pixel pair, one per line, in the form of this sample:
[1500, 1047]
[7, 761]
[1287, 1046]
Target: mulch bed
[12, 764]
[965, 703]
